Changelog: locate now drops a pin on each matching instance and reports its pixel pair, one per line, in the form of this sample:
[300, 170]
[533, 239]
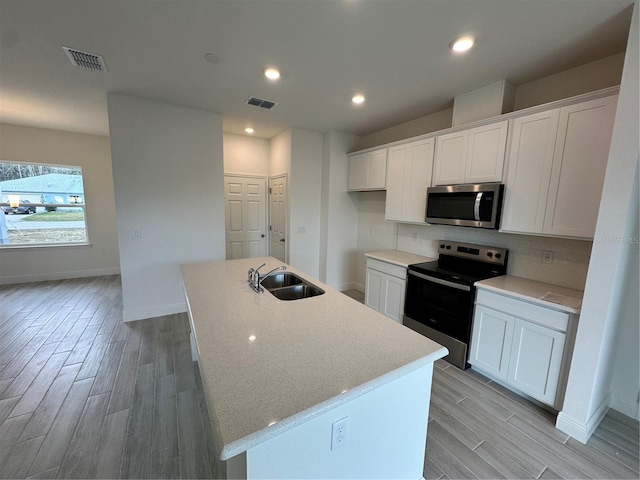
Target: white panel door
[533, 140]
[491, 341]
[278, 216]
[536, 358]
[245, 217]
[579, 164]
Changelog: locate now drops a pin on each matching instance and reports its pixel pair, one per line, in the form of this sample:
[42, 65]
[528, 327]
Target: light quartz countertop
[396, 257]
[269, 365]
[545, 294]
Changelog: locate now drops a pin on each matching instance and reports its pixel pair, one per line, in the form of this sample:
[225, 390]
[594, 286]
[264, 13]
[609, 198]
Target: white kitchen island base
[387, 431]
[278, 375]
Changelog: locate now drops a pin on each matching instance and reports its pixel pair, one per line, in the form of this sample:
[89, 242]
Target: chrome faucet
[255, 279]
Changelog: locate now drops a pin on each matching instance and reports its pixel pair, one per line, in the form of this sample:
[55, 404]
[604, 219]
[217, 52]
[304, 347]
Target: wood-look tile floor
[84, 395]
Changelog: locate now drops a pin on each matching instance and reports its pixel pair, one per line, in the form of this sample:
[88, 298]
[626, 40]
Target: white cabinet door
[485, 156]
[393, 290]
[357, 178]
[373, 290]
[471, 156]
[533, 139]
[376, 177]
[450, 162]
[396, 168]
[409, 171]
[536, 360]
[367, 171]
[491, 341]
[385, 288]
[580, 161]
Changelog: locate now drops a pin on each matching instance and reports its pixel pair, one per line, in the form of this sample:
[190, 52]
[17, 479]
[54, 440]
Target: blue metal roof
[50, 183]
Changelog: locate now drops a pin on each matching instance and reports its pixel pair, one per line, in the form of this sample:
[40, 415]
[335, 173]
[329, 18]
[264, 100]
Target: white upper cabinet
[367, 171]
[471, 156]
[579, 165]
[555, 169]
[533, 140]
[409, 169]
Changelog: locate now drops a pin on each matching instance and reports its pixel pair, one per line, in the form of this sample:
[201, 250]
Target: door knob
[262, 236]
[282, 240]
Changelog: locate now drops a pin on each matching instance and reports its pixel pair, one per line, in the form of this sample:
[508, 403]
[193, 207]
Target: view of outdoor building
[41, 205]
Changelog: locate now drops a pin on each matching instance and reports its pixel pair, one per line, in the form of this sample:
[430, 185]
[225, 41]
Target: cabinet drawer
[520, 308]
[388, 268]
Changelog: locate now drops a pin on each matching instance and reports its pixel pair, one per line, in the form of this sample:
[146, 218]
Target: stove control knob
[448, 247]
[498, 255]
[442, 245]
[490, 254]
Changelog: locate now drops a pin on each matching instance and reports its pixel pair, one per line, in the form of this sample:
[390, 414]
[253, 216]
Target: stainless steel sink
[279, 280]
[296, 292]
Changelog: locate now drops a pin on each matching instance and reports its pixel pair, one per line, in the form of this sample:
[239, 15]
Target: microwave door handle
[476, 207]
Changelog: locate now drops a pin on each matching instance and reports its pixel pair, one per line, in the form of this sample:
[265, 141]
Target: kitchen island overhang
[275, 370]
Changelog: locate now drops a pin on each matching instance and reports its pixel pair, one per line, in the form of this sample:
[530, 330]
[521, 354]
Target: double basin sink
[289, 286]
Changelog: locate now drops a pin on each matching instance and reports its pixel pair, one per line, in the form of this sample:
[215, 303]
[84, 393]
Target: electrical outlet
[137, 234]
[547, 257]
[339, 433]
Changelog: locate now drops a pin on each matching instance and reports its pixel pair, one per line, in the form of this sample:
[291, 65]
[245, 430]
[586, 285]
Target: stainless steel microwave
[465, 205]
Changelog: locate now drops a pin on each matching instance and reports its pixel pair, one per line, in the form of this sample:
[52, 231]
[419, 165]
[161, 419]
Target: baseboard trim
[346, 286]
[43, 277]
[579, 430]
[628, 407]
[144, 313]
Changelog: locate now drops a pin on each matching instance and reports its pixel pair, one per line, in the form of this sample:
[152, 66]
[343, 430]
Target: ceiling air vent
[90, 61]
[259, 102]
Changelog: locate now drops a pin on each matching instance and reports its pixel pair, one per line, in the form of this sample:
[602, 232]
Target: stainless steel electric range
[440, 295]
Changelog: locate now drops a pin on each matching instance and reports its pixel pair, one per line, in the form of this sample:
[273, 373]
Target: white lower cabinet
[521, 344]
[385, 288]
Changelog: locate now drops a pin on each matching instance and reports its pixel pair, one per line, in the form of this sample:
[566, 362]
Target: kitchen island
[281, 377]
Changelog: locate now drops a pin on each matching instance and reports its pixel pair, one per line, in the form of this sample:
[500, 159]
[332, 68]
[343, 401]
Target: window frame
[82, 206]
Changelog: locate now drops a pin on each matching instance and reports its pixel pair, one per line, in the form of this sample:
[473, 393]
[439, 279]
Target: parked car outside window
[22, 209]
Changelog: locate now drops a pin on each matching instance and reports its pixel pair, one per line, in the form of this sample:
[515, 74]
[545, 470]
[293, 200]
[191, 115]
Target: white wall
[92, 153]
[429, 123]
[280, 154]
[374, 232]
[590, 77]
[305, 201]
[589, 385]
[570, 257]
[626, 378]
[168, 179]
[339, 213]
[246, 155]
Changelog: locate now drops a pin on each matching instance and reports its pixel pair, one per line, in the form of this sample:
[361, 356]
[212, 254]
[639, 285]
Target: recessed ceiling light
[272, 73]
[358, 99]
[249, 130]
[462, 44]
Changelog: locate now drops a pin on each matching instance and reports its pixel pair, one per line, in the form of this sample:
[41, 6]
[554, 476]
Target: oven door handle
[439, 281]
[476, 207]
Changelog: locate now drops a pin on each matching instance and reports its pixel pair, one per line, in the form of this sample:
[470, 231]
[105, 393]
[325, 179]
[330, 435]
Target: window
[41, 205]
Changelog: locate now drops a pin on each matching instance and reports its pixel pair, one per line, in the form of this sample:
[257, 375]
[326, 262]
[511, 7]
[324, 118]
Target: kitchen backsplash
[570, 257]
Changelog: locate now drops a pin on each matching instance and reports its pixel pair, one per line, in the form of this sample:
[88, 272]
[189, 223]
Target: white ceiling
[394, 51]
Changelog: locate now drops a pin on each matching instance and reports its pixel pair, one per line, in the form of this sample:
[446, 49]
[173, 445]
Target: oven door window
[443, 308]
